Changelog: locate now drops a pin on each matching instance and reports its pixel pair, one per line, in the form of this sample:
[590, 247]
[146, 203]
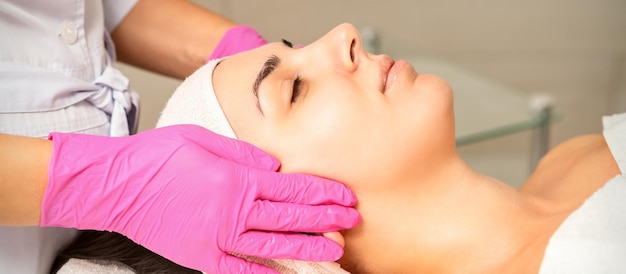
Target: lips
[386, 64]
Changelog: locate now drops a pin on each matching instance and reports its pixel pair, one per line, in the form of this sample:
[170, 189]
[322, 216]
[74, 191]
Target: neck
[446, 222]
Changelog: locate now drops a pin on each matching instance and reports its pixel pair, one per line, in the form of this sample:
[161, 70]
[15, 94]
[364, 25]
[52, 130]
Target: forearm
[171, 37]
[23, 178]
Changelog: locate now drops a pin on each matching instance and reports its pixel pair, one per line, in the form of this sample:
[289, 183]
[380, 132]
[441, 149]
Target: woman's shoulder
[572, 172]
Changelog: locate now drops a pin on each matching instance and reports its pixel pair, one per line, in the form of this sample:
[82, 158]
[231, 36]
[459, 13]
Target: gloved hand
[237, 39]
[193, 197]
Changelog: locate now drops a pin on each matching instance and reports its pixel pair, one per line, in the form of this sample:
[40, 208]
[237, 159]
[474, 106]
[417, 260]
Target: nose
[342, 45]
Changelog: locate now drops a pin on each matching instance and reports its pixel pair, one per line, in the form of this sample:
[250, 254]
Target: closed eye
[296, 89]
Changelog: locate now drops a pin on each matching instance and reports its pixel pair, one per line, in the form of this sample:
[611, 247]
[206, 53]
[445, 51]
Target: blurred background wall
[496, 54]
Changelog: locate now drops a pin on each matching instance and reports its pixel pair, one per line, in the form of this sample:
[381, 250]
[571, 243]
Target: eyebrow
[268, 67]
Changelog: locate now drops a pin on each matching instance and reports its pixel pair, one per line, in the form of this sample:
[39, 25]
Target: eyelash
[287, 43]
[295, 92]
[296, 89]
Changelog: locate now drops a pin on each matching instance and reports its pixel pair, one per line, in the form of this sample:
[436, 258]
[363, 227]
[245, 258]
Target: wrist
[23, 178]
[80, 186]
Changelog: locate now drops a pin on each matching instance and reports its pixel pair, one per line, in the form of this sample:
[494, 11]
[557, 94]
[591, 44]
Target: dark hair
[113, 247]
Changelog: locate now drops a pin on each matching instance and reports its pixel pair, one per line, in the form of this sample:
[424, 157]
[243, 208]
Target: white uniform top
[593, 238]
[56, 55]
[56, 75]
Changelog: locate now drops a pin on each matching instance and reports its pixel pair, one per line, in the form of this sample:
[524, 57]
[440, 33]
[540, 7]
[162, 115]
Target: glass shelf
[535, 123]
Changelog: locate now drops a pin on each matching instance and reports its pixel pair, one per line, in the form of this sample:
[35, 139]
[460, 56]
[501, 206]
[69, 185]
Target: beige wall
[155, 89]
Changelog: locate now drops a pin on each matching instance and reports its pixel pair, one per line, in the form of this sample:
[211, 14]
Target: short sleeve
[115, 11]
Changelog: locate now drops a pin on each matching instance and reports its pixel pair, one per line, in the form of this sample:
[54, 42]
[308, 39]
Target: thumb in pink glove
[194, 197]
[237, 39]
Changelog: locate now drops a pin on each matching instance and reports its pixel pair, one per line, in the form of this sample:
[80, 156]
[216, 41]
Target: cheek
[329, 111]
[327, 135]
[349, 142]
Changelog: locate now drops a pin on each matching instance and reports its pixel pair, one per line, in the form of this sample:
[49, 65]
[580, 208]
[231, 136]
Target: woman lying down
[333, 110]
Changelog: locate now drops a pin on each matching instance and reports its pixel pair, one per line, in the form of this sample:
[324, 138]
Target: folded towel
[79, 266]
[615, 136]
[593, 238]
[194, 102]
[299, 267]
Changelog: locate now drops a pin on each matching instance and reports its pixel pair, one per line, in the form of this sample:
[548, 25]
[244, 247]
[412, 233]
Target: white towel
[615, 136]
[300, 267]
[593, 238]
[79, 266]
[194, 102]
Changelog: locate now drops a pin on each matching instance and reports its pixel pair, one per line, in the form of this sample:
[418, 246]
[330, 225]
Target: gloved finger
[232, 264]
[302, 189]
[287, 246]
[276, 216]
[235, 150]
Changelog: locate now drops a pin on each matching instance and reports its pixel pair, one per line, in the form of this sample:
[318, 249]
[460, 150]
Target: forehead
[233, 79]
[253, 58]
[241, 69]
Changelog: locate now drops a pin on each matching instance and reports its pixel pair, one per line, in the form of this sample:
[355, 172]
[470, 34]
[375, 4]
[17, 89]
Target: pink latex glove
[237, 39]
[193, 197]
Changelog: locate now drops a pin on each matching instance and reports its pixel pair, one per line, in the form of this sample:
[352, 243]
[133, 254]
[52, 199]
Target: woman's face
[334, 110]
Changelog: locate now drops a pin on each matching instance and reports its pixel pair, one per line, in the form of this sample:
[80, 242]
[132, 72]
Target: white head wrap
[194, 102]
